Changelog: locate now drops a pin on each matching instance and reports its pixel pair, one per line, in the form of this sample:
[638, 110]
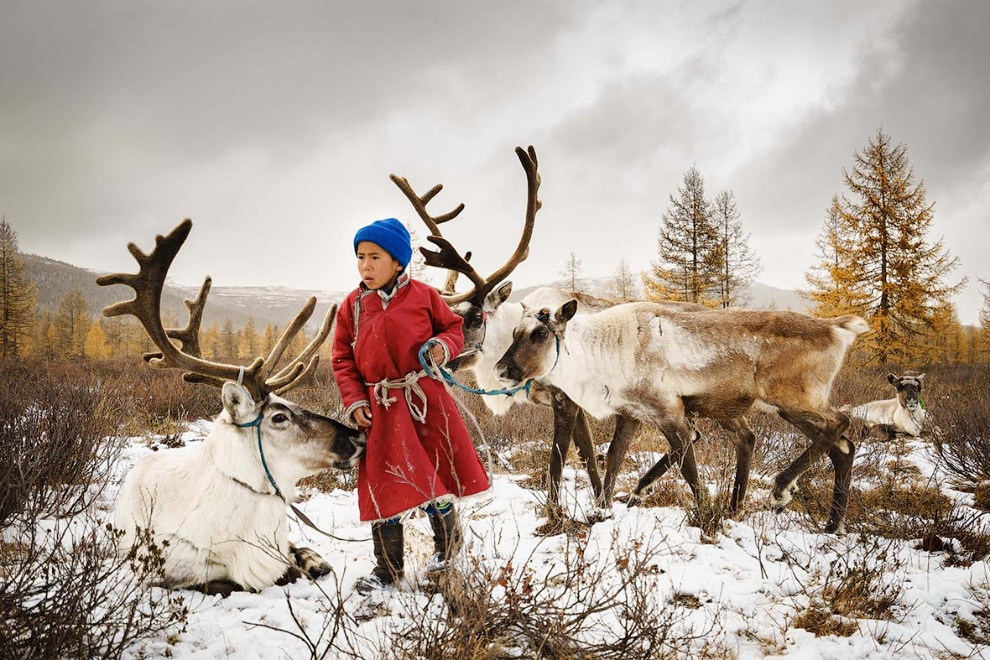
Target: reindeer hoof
[781, 497]
[837, 528]
[310, 563]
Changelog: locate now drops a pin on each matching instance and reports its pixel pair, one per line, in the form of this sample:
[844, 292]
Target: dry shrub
[857, 585]
[64, 590]
[961, 424]
[580, 607]
[54, 452]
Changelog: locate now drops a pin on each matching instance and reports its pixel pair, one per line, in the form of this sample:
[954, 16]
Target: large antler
[432, 223]
[146, 307]
[448, 257]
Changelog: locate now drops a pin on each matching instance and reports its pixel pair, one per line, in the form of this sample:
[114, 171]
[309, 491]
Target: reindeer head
[297, 442]
[908, 388]
[300, 441]
[475, 305]
[535, 344]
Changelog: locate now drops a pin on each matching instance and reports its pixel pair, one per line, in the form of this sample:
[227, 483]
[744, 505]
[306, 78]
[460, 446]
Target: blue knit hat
[389, 234]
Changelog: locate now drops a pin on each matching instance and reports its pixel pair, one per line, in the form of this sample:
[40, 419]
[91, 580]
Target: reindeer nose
[508, 372]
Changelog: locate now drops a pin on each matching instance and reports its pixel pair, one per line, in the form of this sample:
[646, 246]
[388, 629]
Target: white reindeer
[218, 508]
[663, 365]
[905, 413]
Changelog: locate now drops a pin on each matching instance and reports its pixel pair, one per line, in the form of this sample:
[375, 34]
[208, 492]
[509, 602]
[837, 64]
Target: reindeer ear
[566, 311]
[921, 378]
[892, 379]
[498, 296]
[238, 403]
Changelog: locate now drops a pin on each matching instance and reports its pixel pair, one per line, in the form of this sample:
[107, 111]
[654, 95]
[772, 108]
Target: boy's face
[376, 266]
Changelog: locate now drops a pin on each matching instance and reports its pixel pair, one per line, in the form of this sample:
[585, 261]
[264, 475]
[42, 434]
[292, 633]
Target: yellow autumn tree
[96, 342]
[880, 262]
[17, 295]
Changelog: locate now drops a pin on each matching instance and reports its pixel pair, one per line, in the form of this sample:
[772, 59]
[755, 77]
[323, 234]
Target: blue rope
[261, 452]
[443, 373]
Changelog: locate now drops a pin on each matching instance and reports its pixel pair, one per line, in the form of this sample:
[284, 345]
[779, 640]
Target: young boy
[419, 453]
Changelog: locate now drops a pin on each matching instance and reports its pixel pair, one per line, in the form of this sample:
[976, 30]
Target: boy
[419, 452]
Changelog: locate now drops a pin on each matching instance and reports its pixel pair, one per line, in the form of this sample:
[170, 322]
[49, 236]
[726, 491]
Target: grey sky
[275, 125]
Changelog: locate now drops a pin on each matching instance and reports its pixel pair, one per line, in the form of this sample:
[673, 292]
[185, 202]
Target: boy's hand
[437, 353]
[362, 417]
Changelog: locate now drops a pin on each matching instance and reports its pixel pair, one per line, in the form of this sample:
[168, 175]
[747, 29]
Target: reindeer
[220, 507]
[488, 324]
[905, 413]
[664, 365]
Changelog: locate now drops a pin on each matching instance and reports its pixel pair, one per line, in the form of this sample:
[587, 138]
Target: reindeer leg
[744, 440]
[565, 414]
[585, 444]
[841, 454]
[824, 429]
[625, 430]
[666, 462]
[214, 587]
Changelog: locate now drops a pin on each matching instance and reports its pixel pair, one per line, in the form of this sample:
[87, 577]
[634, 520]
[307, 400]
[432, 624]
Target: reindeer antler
[448, 257]
[146, 307]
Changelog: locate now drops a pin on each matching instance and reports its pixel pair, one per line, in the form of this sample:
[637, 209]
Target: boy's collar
[401, 281]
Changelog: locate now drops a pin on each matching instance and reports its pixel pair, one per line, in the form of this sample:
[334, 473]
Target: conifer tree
[96, 347]
[885, 268]
[249, 339]
[71, 325]
[623, 284]
[984, 339]
[227, 342]
[572, 273]
[17, 295]
[689, 250]
[740, 265]
[268, 337]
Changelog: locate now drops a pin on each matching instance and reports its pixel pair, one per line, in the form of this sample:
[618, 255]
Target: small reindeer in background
[905, 413]
[220, 506]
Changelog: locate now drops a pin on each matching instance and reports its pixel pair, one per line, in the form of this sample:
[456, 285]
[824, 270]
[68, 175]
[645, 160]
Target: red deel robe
[406, 463]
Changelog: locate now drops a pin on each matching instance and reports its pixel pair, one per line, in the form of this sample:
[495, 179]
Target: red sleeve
[446, 325]
[345, 371]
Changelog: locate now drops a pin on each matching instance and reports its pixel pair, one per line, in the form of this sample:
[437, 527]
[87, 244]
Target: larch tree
[984, 339]
[249, 341]
[623, 283]
[96, 347]
[689, 250]
[836, 285]
[740, 265]
[227, 343]
[572, 273]
[17, 295]
[417, 264]
[886, 265]
[71, 325]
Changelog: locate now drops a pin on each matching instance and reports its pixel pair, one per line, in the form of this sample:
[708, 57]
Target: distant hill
[274, 304]
[758, 296]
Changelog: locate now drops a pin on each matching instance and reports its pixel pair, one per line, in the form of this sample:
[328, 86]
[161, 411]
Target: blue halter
[443, 373]
[261, 452]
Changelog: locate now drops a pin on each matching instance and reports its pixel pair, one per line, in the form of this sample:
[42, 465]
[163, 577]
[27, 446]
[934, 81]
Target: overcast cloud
[275, 125]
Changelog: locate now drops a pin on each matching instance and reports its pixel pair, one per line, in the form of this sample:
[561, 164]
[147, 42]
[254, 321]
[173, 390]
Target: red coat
[405, 463]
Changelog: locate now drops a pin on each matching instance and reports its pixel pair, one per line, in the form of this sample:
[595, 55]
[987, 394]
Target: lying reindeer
[221, 505]
[905, 413]
[663, 365]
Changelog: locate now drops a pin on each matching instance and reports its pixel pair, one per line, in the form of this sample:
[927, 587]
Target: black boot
[446, 540]
[387, 540]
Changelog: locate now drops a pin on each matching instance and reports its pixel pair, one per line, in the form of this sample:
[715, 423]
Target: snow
[740, 593]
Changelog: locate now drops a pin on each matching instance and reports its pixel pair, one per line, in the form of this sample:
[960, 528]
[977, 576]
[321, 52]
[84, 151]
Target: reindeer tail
[852, 323]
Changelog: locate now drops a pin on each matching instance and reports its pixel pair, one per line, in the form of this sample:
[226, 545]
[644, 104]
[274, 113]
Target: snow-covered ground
[737, 596]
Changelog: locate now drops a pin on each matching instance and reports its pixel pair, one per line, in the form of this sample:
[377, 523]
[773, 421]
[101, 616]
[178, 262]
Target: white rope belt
[410, 385]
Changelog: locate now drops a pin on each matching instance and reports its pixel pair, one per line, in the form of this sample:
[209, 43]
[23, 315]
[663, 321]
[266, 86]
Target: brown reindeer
[663, 365]
[488, 325]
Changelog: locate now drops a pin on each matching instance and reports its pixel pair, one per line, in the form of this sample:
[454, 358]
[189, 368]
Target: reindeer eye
[539, 334]
[279, 418]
